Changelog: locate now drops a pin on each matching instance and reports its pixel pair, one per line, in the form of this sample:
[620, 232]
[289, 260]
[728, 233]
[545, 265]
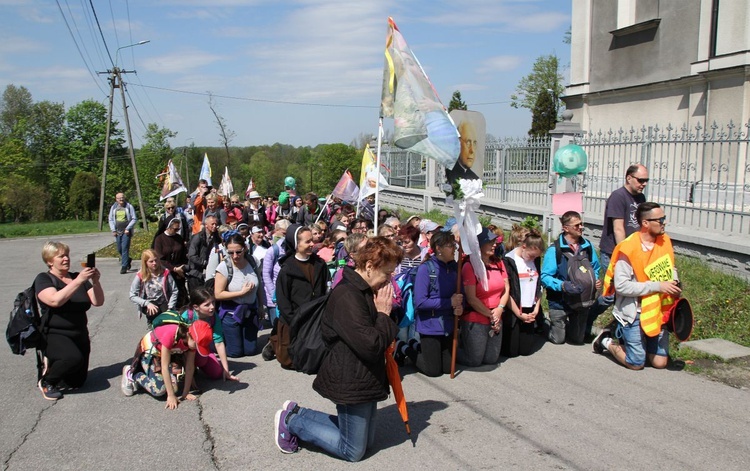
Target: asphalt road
[561, 408]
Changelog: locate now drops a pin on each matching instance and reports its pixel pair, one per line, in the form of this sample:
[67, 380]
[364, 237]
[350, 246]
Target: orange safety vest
[654, 265]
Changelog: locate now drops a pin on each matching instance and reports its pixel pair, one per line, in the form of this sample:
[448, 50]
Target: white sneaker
[127, 385]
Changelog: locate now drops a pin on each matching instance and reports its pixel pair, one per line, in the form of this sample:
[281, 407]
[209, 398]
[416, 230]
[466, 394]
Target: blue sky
[299, 72]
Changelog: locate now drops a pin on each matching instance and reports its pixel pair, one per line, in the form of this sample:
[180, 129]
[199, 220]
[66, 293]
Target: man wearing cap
[644, 278]
[259, 244]
[255, 213]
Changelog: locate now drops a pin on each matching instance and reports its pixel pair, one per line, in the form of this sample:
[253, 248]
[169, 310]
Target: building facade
[689, 60]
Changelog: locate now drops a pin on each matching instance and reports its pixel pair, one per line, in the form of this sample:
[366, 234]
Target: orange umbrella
[394, 378]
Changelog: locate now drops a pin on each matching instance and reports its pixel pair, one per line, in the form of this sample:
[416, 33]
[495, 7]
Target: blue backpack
[404, 286]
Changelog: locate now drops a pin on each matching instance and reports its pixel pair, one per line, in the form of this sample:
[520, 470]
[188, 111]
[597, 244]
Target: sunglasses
[235, 252]
[660, 220]
[575, 226]
[640, 180]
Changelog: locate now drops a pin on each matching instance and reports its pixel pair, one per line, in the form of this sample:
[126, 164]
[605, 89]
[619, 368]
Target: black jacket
[200, 249]
[357, 336]
[293, 289]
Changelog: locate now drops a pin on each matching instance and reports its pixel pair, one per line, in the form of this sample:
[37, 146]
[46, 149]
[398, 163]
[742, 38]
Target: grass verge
[50, 228]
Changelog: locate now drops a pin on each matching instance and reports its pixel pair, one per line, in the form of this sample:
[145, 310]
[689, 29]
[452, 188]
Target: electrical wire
[93, 10]
[72, 36]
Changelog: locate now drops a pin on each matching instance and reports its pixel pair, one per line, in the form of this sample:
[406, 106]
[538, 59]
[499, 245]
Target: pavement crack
[24, 437]
[209, 443]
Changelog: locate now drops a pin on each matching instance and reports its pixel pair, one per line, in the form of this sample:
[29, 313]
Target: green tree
[152, 159]
[456, 102]
[83, 197]
[544, 115]
[545, 78]
[15, 111]
[22, 200]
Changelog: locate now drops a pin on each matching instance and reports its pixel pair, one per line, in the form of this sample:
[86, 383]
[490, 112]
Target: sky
[298, 72]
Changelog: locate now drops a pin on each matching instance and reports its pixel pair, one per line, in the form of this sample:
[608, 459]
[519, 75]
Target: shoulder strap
[558, 252]
[230, 271]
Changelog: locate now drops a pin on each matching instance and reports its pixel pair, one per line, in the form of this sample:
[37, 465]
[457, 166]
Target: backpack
[168, 317]
[24, 329]
[580, 272]
[403, 285]
[307, 348]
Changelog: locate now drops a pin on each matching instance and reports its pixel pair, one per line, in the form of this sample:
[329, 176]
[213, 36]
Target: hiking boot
[127, 384]
[286, 442]
[597, 344]
[268, 354]
[49, 392]
[123, 270]
[130, 263]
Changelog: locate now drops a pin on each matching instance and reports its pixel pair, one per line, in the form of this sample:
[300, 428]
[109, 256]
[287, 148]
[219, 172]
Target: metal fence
[701, 176]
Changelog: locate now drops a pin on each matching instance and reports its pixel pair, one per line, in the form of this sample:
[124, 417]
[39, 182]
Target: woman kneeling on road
[357, 329]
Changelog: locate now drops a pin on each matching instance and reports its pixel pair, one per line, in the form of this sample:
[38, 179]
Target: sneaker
[289, 406]
[286, 442]
[268, 354]
[597, 344]
[49, 392]
[123, 270]
[127, 384]
[130, 263]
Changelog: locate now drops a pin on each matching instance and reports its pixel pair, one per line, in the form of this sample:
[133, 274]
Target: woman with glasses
[236, 289]
[570, 299]
[436, 302]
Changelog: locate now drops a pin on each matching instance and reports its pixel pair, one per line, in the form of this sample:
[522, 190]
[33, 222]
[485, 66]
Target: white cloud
[19, 44]
[180, 62]
[499, 64]
[509, 16]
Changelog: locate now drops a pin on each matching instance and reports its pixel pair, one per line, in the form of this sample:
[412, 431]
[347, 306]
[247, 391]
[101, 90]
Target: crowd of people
[232, 269]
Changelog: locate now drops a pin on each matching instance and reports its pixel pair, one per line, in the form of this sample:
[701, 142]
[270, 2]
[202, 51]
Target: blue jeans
[346, 436]
[240, 339]
[122, 242]
[637, 344]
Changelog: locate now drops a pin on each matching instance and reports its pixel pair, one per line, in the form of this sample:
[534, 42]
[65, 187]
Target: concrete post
[563, 134]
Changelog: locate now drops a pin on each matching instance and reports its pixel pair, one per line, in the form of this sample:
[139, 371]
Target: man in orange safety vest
[642, 273]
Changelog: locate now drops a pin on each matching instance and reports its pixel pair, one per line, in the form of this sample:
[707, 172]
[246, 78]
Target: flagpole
[454, 346]
[323, 208]
[377, 175]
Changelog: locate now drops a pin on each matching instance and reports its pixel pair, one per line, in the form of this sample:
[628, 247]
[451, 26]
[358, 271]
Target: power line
[282, 102]
[259, 100]
[91, 73]
[93, 10]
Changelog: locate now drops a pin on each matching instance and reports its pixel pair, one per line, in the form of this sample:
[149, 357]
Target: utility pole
[115, 81]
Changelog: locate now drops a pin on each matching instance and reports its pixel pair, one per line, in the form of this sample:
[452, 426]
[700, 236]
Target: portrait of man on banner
[472, 127]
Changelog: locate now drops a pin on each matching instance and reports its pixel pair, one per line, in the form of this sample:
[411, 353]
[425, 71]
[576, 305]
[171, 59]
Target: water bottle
[328, 286]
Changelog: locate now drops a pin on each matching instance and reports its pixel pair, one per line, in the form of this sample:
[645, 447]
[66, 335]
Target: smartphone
[91, 260]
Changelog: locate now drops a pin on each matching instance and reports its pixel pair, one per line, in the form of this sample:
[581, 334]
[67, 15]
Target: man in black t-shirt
[619, 223]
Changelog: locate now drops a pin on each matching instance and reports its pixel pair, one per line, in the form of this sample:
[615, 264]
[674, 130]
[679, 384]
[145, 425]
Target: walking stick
[455, 318]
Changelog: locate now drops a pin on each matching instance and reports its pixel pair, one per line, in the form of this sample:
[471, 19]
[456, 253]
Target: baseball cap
[202, 335]
[486, 236]
[256, 230]
[427, 226]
